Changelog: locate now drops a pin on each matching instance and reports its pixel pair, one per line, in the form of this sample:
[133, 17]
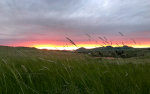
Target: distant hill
[82, 49]
[109, 51]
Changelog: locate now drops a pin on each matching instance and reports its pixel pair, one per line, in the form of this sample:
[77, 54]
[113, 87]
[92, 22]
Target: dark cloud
[46, 19]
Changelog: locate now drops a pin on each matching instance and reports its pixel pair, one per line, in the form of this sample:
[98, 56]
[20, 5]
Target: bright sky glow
[48, 22]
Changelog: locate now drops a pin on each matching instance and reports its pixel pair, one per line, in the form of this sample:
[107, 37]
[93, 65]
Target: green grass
[31, 71]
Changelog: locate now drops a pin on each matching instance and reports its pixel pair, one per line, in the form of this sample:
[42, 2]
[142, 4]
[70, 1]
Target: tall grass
[55, 72]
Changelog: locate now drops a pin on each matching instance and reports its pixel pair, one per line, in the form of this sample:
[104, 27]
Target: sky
[47, 23]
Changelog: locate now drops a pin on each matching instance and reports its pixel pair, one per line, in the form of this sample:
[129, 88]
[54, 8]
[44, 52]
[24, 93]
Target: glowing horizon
[69, 46]
[88, 47]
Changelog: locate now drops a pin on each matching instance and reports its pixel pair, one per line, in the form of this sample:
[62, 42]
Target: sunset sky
[47, 23]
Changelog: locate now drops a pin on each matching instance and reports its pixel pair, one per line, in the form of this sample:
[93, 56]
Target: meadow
[33, 71]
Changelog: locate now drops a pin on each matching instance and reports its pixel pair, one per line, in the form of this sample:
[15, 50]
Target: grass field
[32, 71]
